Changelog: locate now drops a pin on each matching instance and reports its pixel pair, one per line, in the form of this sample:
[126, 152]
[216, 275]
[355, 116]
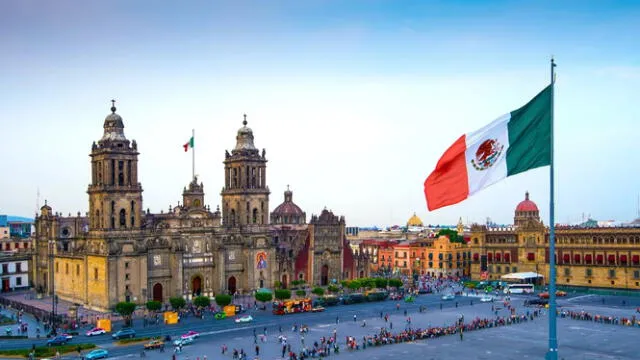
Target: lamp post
[54, 301]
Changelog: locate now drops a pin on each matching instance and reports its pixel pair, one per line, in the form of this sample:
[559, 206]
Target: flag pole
[552, 353]
[193, 154]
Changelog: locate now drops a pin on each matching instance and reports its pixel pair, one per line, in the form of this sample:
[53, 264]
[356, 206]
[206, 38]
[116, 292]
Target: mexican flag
[188, 145]
[511, 144]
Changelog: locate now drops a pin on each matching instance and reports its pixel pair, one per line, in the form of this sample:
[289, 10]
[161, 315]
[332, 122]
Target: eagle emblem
[487, 154]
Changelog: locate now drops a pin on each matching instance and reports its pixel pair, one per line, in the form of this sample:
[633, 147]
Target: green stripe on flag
[530, 135]
[191, 142]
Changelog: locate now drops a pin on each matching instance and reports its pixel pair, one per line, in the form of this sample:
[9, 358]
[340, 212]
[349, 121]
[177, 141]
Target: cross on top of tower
[244, 122]
[113, 106]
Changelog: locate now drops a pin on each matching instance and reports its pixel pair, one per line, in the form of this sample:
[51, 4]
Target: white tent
[522, 277]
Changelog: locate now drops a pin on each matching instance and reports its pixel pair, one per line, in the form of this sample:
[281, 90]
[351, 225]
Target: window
[612, 273]
[18, 267]
[636, 274]
[476, 257]
[123, 218]
[506, 268]
[126, 287]
[19, 280]
[77, 269]
[95, 273]
[57, 267]
[126, 276]
[498, 269]
[567, 271]
[5, 268]
[66, 269]
[589, 272]
[514, 269]
[404, 263]
[26, 245]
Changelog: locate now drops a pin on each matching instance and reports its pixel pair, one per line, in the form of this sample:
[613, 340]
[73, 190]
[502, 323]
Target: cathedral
[120, 252]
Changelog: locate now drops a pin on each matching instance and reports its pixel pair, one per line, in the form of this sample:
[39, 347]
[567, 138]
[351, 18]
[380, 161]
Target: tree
[283, 294]
[277, 284]
[125, 309]
[381, 283]
[223, 300]
[318, 291]
[354, 284]
[154, 305]
[345, 283]
[202, 301]
[451, 234]
[333, 288]
[368, 283]
[264, 296]
[301, 293]
[177, 303]
[396, 283]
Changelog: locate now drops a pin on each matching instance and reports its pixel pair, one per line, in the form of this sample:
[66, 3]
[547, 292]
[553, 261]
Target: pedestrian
[391, 325]
[337, 319]
[257, 350]
[354, 318]
[461, 333]
[380, 314]
[405, 312]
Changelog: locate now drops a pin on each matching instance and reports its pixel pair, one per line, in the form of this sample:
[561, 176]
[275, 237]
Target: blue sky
[354, 101]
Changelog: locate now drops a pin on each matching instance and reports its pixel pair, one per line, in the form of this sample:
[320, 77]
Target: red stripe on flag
[448, 184]
[186, 147]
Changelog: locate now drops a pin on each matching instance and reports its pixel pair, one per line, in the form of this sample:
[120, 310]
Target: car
[545, 295]
[96, 331]
[190, 334]
[183, 341]
[220, 315]
[536, 302]
[244, 319]
[97, 354]
[124, 334]
[448, 297]
[58, 340]
[154, 344]
[68, 336]
[240, 309]
[486, 299]
[317, 309]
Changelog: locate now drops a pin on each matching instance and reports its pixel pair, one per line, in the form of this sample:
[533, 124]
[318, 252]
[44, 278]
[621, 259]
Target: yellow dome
[414, 221]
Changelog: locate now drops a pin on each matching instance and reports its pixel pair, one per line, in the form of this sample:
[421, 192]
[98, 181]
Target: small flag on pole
[188, 145]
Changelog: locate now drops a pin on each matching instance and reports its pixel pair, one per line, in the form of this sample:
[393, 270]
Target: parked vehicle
[244, 319]
[96, 331]
[183, 341]
[154, 344]
[58, 340]
[190, 334]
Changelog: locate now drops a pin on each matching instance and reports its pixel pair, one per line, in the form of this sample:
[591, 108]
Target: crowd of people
[602, 319]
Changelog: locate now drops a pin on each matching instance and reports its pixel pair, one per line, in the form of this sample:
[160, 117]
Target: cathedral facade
[119, 252]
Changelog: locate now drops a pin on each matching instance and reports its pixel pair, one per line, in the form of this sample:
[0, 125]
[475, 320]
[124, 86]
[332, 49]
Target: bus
[291, 306]
[519, 289]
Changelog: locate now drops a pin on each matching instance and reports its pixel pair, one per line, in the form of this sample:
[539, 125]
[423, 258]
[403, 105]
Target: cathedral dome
[244, 139]
[526, 204]
[113, 126]
[288, 212]
[414, 221]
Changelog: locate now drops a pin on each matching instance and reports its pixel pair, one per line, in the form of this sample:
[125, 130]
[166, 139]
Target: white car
[486, 299]
[244, 319]
[183, 341]
[96, 331]
[448, 297]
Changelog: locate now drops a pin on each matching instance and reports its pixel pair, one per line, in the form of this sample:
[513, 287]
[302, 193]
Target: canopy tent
[523, 277]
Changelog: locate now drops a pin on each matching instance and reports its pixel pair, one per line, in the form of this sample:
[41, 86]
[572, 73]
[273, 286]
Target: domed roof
[526, 204]
[113, 126]
[244, 139]
[414, 221]
[288, 207]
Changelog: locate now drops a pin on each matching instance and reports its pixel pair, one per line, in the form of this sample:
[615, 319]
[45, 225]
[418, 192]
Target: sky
[354, 101]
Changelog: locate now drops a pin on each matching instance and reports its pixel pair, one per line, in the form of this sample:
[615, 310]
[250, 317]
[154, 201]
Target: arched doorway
[196, 285]
[231, 285]
[157, 292]
[324, 275]
[284, 281]
[361, 274]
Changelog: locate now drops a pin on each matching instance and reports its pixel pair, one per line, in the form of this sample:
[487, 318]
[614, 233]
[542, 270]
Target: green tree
[368, 282]
[381, 283]
[301, 293]
[177, 302]
[202, 301]
[223, 300]
[283, 294]
[333, 288]
[354, 284]
[396, 283]
[318, 291]
[125, 309]
[345, 283]
[277, 284]
[264, 296]
[154, 305]
[451, 234]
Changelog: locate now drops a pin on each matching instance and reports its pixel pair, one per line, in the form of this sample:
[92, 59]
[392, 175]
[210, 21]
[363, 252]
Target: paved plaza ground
[577, 339]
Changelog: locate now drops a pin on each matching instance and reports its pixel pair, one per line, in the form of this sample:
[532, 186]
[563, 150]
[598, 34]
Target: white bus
[519, 289]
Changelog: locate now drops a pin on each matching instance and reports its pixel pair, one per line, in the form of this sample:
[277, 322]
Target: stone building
[586, 256]
[119, 252]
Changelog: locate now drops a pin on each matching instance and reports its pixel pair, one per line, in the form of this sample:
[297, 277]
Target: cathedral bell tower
[245, 196]
[115, 195]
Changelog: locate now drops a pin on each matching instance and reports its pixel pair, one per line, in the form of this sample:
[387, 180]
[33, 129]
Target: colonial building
[587, 256]
[119, 252]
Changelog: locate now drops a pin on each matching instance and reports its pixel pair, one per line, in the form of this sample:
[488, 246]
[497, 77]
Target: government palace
[120, 252]
[587, 255]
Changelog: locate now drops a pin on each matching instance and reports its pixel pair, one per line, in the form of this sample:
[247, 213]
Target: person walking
[354, 318]
[257, 350]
